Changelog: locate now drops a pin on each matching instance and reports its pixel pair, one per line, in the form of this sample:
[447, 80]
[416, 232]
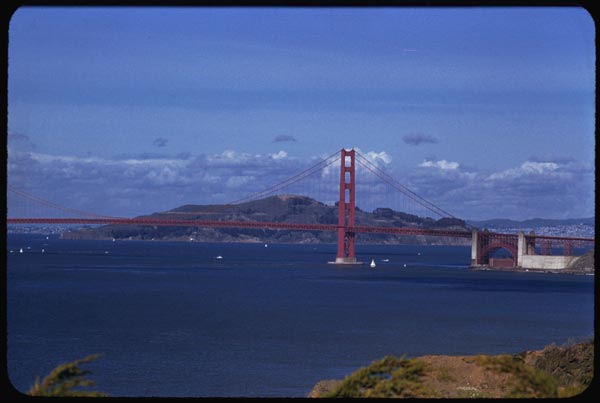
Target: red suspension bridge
[484, 243]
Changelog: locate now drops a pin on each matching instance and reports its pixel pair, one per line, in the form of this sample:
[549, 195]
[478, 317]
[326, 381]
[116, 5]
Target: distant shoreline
[520, 270]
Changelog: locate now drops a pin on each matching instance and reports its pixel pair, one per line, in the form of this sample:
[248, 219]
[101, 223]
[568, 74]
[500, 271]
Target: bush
[388, 377]
[63, 380]
[527, 380]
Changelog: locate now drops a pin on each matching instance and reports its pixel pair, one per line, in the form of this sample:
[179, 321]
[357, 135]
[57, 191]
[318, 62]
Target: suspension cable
[329, 160]
[54, 205]
[363, 161]
[283, 184]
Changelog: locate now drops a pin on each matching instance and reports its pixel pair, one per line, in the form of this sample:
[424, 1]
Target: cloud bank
[135, 184]
[548, 189]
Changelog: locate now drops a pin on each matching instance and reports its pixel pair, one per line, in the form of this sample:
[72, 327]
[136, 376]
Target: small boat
[385, 260]
[21, 250]
[373, 263]
[266, 245]
[404, 264]
[219, 257]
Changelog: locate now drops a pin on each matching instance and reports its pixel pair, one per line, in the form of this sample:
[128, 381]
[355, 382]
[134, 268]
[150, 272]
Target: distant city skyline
[486, 112]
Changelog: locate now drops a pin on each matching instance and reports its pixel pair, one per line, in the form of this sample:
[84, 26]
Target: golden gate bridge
[484, 243]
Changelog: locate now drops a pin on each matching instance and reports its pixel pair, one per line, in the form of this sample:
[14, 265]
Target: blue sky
[486, 112]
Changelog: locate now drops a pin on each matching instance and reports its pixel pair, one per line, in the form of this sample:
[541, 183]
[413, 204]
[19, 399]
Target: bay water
[187, 319]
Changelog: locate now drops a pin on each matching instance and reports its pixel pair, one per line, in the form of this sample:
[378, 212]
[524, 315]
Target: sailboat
[373, 263]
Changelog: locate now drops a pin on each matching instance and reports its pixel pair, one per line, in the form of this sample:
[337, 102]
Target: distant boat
[266, 245]
[21, 250]
[404, 264]
[373, 263]
[385, 260]
[219, 257]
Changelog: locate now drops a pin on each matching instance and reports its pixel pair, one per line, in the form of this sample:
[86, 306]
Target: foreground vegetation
[553, 372]
[67, 380]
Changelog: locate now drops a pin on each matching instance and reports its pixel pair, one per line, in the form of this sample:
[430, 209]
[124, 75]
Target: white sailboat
[373, 263]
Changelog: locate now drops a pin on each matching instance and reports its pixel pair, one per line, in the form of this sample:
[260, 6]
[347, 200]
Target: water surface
[171, 319]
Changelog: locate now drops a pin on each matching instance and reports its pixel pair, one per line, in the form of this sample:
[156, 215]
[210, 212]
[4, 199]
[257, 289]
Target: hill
[533, 222]
[549, 373]
[281, 208]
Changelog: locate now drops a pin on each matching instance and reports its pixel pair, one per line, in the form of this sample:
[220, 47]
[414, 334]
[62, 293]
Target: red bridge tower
[345, 250]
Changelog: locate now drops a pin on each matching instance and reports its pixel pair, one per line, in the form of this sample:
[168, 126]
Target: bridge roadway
[276, 226]
[240, 224]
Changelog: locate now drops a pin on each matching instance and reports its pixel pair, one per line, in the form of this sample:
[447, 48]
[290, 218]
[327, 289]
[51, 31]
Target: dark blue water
[172, 320]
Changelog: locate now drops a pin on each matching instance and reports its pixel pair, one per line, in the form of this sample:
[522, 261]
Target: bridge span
[522, 247]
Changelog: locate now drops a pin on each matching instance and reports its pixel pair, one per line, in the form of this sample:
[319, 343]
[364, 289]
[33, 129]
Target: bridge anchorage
[522, 248]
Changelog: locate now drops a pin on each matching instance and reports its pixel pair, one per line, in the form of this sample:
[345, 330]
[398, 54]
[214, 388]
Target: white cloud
[441, 164]
[375, 157]
[279, 155]
[381, 156]
[527, 168]
[227, 154]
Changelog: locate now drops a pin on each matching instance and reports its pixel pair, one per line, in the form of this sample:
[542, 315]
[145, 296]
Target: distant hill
[534, 222]
[281, 208]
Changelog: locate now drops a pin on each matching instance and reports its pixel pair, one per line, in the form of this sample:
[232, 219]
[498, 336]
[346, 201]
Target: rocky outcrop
[584, 263]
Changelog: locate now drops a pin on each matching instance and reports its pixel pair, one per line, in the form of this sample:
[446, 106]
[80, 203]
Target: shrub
[527, 380]
[63, 380]
[388, 377]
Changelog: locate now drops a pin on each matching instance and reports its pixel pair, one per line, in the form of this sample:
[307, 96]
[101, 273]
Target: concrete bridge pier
[474, 248]
[483, 245]
[525, 247]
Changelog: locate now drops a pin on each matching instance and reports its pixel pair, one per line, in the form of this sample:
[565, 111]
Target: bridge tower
[346, 208]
